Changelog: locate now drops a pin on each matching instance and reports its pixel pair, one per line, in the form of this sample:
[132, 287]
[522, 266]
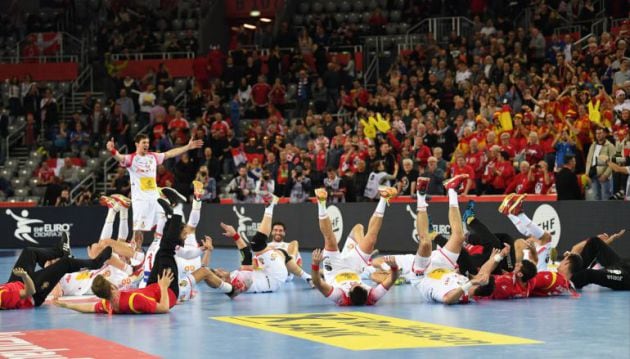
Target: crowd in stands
[516, 109]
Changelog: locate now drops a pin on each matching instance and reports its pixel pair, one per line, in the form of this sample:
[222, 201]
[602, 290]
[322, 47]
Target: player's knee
[246, 256]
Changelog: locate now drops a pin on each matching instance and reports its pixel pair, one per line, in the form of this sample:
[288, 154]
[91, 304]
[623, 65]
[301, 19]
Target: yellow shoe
[504, 208]
[321, 194]
[109, 203]
[387, 193]
[198, 190]
[517, 205]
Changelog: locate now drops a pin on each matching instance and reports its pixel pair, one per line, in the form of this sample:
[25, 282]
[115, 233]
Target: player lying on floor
[341, 281]
[268, 267]
[162, 291]
[28, 287]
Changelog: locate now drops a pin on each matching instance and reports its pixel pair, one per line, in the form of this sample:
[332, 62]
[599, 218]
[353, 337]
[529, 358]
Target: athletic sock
[321, 209]
[269, 210]
[452, 198]
[305, 276]
[519, 225]
[532, 227]
[161, 221]
[195, 214]
[123, 224]
[380, 207]
[422, 202]
[108, 227]
[225, 287]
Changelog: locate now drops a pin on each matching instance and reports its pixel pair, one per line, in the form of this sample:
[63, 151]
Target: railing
[153, 56]
[567, 29]
[441, 27]
[600, 26]
[38, 59]
[370, 71]
[89, 180]
[617, 22]
[85, 75]
[13, 137]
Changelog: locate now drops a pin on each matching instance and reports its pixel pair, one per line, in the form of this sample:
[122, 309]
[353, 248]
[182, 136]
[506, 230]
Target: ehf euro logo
[28, 229]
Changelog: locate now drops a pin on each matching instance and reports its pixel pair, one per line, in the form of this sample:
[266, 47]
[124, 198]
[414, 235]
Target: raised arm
[164, 280]
[29, 286]
[322, 286]
[111, 147]
[193, 144]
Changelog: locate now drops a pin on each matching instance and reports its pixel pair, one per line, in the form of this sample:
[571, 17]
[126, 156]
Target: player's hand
[110, 145]
[531, 243]
[506, 250]
[317, 257]
[20, 272]
[207, 243]
[228, 230]
[603, 236]
[166, 278]
[193, 144]
[618, 234]
[391, 261]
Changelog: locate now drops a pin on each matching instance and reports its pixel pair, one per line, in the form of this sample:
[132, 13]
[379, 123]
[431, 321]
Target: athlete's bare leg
[368, 243]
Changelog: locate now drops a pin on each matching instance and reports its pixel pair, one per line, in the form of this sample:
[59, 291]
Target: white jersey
[187, 266]
[343, 281]
[433, 286]
[374, 181]
[142, 173]
[80, 283]
[268, 275]
[543, 252]
[285, 246]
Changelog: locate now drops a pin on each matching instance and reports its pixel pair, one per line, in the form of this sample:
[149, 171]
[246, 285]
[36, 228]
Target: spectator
[64, 199]
[378, 177]
[436, 175]
[164, 178]
[260, 94]
[69, 173]
[459, 168]
[53, 191]
[118, 126]
[298, 187]
[85, 197]
[596, 168]
[520, 182]
[209, 184]
[45, 174]
[406, 180]
[146, 99]
[120, 183]
[242, 186]
[265, 187]
[79, 139]
[126, 104]
[4, 132]
[567, 185]
[335, 186]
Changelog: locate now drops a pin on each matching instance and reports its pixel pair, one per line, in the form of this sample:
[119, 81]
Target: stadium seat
[331, 6]
[21, 192]
[345, 6]
[317, 7]
[394, 16]
[176, 24]
[298, 20]
[358, 5]
[191, 24]
[353, 18]
[304, 7]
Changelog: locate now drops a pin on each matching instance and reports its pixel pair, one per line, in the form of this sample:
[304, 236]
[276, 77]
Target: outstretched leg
[259, 241]
[368, 243]
[423, 254]
[30, 257]
[165, 256]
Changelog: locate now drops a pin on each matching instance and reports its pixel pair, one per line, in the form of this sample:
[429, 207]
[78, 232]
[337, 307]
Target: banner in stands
[569, 222]
[139, 68]
[53, 71]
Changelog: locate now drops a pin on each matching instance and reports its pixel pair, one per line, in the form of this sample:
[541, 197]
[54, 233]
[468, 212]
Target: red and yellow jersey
[546, 284]
[10, 297]
[137, 301]
[507, 287]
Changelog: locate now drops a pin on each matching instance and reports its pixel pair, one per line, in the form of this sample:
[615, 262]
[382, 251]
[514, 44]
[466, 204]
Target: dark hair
[485, 290]
[140, 137]
[101, 287]
[568, 158]
[505, 155]
[528, 270]
[575, 262]
[358, 295]
[279, 224]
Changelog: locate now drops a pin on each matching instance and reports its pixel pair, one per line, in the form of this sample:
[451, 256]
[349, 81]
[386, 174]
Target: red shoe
[422, 184]
[123, 201]
[517, 206]
[455, 182]
[109, 203]
[239, 284]
[507, 203]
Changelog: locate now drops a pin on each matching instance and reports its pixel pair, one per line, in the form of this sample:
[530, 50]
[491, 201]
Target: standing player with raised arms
[142, 167]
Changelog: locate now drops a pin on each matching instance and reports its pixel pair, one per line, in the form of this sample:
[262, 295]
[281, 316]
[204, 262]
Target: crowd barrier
[568, 221]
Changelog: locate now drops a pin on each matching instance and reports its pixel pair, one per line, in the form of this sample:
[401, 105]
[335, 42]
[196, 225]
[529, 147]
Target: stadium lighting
[265, 19]
[249, 26]
[254, 13]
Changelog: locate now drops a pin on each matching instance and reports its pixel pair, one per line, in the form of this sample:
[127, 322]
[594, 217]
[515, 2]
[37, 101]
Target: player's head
[358, 295]
[570, 264]
[278, 232]
[142, 144]
[525, 270]
[102, 288]
[485, 290]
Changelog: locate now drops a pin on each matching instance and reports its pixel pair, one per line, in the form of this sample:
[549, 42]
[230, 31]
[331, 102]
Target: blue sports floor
[595, 325]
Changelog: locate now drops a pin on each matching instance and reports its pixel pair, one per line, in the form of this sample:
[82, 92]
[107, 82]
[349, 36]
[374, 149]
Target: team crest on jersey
[183, 283]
